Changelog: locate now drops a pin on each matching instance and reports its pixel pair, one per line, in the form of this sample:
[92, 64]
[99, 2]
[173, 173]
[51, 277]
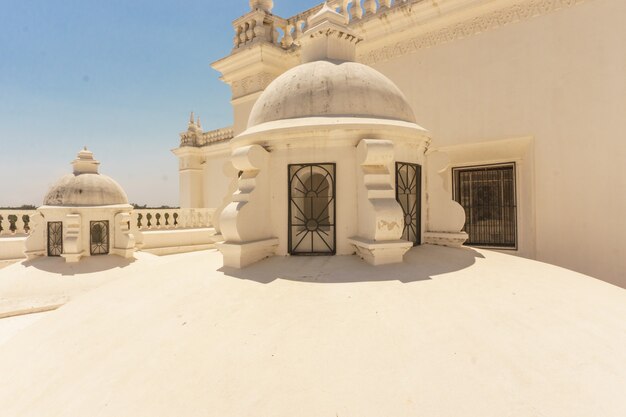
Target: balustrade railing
[259, 25]
[199, 138]
[15, 222]
[164, 219]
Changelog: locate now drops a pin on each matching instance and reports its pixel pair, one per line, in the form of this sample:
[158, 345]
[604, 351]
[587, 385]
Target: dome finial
[266, 5]
[85, 163]
[329, 37]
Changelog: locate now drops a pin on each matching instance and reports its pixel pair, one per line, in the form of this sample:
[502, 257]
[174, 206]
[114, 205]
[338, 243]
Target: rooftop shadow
[87, 265]
[420, 263]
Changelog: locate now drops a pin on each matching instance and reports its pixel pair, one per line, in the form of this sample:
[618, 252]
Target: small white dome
[331, 89]
[85, 187]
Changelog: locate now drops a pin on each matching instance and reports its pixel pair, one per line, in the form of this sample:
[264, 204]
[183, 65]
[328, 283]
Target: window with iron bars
[487, 194]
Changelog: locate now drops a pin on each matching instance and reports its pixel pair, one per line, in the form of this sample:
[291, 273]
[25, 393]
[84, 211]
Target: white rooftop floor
[452, 332]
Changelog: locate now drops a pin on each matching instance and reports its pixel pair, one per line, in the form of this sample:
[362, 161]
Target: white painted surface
[10, 326]
[560, 79]
[451, 332]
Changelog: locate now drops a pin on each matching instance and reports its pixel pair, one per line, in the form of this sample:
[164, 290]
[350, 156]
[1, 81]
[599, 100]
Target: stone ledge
[381, 253]
[453, 240]
[241, 254]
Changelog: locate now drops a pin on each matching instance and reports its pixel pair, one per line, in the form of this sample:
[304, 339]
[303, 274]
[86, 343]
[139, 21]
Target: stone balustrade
[168, 219]
[261, 26]
[198, 138]
[15, 222]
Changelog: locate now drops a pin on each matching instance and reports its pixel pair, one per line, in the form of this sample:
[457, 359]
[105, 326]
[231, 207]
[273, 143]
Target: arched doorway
[312, 209]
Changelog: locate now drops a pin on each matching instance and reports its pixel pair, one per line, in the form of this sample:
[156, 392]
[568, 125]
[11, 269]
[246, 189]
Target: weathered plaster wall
[559, 78]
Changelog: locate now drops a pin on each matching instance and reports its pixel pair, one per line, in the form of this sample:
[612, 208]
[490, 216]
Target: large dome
[85, 187]
[331, 89]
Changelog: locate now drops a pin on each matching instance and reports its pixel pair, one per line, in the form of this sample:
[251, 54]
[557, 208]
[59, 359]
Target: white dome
[329, 89]
[85, 187]
[85, 190]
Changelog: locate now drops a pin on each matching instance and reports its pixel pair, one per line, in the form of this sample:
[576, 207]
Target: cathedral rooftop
[449, 330]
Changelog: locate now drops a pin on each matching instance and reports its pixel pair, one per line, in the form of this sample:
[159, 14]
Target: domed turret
[329, 83]
[331, 89]
[85, 186]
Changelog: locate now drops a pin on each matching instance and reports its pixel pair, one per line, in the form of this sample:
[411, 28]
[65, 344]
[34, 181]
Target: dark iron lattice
[409, 195]
[99, 237]
[312, 209]
[487, 193]
[55, 238]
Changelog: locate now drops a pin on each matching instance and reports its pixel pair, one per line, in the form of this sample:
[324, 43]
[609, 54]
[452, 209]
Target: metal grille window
[99, 237]
[487, 193]
[408, 194]
[312, 209]
[55, 238]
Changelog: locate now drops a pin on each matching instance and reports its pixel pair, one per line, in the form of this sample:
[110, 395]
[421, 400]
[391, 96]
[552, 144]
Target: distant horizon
[119, 78]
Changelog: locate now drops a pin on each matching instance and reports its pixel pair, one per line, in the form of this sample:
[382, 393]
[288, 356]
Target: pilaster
[380, 217]
[247, 232]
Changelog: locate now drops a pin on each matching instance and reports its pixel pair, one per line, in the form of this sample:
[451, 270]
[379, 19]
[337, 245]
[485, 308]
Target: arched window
[312, 209]
[99, 237]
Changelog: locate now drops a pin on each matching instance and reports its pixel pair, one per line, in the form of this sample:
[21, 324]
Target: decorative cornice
[492, 20]
[251, 84]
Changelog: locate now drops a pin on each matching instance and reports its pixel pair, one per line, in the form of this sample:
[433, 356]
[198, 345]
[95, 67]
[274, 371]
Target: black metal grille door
[99, 237]
[312, 209]
[55, 238]
[487, 194]
[409, 195]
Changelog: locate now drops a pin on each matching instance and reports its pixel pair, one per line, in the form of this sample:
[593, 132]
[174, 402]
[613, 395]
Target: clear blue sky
[119, 76]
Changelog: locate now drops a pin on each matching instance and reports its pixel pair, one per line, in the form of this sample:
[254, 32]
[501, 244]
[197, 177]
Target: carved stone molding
[251, 84]
[495, 19]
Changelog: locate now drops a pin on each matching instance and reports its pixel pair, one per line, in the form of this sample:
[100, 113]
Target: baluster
[237, 40]
[242, 34]
[259, 28]
[4, 224]
[356, 11]
[167, 220]
[250, 31]
[175, 220]
[158, 220]
[370, 7]
[298, 32]
[343, 9]
[287, 37]
[385, 4]
[149, 220]
[19, 224]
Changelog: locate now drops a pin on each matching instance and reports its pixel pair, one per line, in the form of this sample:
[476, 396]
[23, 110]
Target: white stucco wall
[561, 79]
[215, 178]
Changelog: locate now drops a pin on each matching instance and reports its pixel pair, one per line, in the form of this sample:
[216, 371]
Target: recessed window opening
[99, 237]
[312, 209]
[488, 196]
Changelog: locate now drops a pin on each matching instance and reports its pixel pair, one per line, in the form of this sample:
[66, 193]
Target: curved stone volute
[380, 217]
[446, 217]
[248, 237]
